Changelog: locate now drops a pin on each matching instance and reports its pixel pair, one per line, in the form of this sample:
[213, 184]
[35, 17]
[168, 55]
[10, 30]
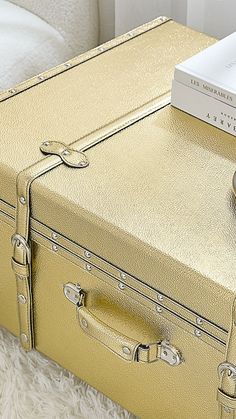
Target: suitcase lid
[142, 204]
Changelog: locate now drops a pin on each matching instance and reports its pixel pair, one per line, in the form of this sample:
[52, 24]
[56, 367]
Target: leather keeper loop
[148, 354]
[19, 269]
[226, 400]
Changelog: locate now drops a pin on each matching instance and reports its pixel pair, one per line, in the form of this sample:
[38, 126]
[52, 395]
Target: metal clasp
[18, 240]
[69, 156]
[74, 293]
[170, 354]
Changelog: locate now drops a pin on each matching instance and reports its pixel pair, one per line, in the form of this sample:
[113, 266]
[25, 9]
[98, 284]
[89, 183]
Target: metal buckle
[18, 240]
[227, 366]
[74, 294]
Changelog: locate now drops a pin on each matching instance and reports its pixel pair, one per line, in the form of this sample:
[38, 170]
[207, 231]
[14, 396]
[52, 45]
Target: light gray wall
[132, 13]
[214, 17]
[107, 20]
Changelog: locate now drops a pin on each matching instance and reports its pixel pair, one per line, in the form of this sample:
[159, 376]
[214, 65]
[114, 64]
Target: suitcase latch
[170, 354]
[74, 293]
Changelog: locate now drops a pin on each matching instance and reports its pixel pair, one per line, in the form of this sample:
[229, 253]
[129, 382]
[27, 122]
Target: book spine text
[205, 87]
[204, 107]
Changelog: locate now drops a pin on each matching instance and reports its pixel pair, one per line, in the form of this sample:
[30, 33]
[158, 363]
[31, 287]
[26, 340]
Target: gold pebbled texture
[155, 201]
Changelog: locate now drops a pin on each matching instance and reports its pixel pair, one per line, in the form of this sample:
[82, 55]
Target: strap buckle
[227, 366]
[18, 240]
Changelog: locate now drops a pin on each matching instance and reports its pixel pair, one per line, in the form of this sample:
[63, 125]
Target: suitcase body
[117, 228]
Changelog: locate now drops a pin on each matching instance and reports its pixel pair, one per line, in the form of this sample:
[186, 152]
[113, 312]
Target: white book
[204, 107]
[212, 71]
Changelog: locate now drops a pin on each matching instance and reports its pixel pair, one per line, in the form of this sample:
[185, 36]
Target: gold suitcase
[118, 228]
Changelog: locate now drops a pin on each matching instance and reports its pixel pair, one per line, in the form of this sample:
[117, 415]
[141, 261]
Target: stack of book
[205, 85]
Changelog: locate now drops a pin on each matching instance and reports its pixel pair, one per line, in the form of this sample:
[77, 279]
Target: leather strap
[227, 405]
[21, 261]
[227, 370]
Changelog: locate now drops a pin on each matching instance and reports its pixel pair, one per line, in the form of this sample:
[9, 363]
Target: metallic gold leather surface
[165, 209]
[155, 201]
[152, 46]
[210, 333]
[91, 95]
[21, 261]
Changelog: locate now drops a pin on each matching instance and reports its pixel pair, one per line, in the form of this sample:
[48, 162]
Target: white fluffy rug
[33, 387]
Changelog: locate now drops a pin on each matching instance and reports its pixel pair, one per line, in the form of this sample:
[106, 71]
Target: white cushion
[28, 45]
[75, 20]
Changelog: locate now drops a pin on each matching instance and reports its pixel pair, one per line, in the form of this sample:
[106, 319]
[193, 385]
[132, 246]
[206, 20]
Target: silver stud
[123, 275]
[198, 333]
[24, 337]
[67, 65]
[227, 409]
[87, 254]
[101, 49]
[54, 235]
[46, 143]
[126, 350]
[158, 309]
[22, 200]
[55, 248]
[12, 91]
[84, 323]
[41, 78]
[129, 34]
[66, 152]
[88, 267]
[199, 321]
[21, 299]
[121, 286]
[83, 164]
[160, 297]
[162, 18]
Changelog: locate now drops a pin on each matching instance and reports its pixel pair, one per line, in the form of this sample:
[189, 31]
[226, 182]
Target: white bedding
[30, 45]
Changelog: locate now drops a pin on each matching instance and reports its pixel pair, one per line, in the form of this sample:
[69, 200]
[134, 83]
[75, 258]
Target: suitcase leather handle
[113, 340]
[125, 347]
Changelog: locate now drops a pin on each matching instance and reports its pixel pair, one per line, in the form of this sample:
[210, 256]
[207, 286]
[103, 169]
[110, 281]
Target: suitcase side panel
[165, 391]
[59, 336]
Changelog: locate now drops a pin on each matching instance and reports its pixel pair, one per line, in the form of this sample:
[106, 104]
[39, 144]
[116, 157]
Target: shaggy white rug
[33, 387]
